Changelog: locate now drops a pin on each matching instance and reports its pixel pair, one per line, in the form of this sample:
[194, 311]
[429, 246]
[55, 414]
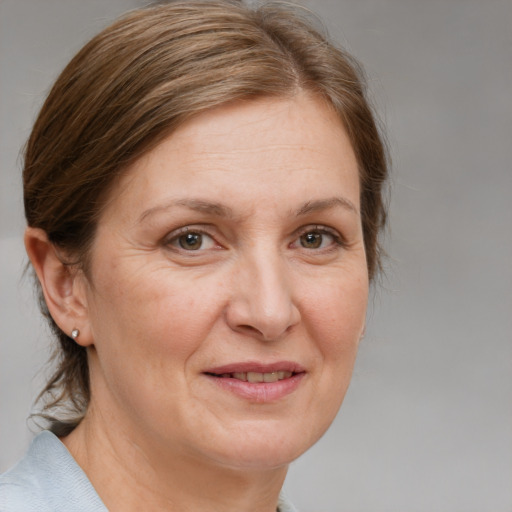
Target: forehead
[275, 147]
[257, 127]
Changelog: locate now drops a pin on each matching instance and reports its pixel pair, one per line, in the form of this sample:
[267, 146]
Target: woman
[203, 190]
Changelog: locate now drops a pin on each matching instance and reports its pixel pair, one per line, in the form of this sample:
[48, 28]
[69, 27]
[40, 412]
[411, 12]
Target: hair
[139, 79]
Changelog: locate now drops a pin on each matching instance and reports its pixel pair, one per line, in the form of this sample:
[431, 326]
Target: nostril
[250, 329]
[261, 334]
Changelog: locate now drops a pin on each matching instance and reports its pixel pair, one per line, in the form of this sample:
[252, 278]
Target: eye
[192, 241]
[313, 240]
[318, 238]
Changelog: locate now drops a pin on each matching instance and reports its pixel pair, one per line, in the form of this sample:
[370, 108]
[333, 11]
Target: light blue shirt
[48, 479]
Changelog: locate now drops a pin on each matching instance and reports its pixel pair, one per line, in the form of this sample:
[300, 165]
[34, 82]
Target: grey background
[427, 423]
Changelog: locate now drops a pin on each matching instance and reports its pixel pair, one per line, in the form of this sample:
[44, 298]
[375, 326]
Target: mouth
[260, 383]
[254, 377]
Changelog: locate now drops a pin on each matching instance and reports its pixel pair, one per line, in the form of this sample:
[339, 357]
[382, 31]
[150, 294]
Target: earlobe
[64, 295]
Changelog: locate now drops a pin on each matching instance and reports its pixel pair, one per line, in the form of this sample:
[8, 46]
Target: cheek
[337, 314]
[336, 321]
[155, 314]
[146, 329]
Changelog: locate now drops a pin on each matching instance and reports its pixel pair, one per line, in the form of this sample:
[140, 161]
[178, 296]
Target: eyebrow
[197, 205]
[327, 204]
[220, 210]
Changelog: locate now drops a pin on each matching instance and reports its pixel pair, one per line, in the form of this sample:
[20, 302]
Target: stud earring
[75, 333]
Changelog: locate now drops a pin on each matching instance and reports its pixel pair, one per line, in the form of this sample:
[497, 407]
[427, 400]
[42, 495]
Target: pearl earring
[75, 333]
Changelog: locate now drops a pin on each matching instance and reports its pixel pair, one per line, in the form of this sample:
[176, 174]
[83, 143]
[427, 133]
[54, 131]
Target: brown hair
[136, 82]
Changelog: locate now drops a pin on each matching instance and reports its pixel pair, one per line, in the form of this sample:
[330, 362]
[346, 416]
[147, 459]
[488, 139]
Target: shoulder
[17, 495]
[20, 487]
[20, 490]
[284, 504]
[47, 479]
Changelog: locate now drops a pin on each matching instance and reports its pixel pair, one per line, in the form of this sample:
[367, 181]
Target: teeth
[256, 377]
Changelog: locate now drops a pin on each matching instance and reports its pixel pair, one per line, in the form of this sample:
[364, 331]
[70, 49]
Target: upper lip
[258, 367]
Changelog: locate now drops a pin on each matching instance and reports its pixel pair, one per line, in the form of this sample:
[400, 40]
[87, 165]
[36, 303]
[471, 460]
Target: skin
[274, 271]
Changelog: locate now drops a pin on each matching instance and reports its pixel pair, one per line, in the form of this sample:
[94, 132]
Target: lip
[260, 392]
[256, 366]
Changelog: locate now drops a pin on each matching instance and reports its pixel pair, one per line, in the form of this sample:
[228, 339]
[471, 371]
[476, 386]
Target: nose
[262, 304]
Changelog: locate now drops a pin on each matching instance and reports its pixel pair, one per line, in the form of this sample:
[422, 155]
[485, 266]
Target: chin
[262, 449]
[262, 459]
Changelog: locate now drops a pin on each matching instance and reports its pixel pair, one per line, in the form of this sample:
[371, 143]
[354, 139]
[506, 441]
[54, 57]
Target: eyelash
[174, 237]
[338, 239]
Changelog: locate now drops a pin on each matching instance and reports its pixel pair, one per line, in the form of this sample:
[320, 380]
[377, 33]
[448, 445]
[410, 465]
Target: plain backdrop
[427, 422]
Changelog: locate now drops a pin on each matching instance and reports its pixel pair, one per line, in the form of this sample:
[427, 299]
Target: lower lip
[259, 392]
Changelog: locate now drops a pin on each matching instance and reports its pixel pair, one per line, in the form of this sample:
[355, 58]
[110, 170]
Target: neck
[130, 475]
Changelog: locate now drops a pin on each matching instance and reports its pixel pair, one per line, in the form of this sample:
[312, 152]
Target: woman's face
[228, 286]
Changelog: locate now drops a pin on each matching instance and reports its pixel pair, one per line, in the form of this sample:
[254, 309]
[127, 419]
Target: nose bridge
[263, 300]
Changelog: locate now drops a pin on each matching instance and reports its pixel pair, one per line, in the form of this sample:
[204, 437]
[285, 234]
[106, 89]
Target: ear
[64, 286]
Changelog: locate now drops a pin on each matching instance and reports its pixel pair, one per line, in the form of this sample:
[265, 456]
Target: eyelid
[338, 238]
[206, 230]
[199, 229]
